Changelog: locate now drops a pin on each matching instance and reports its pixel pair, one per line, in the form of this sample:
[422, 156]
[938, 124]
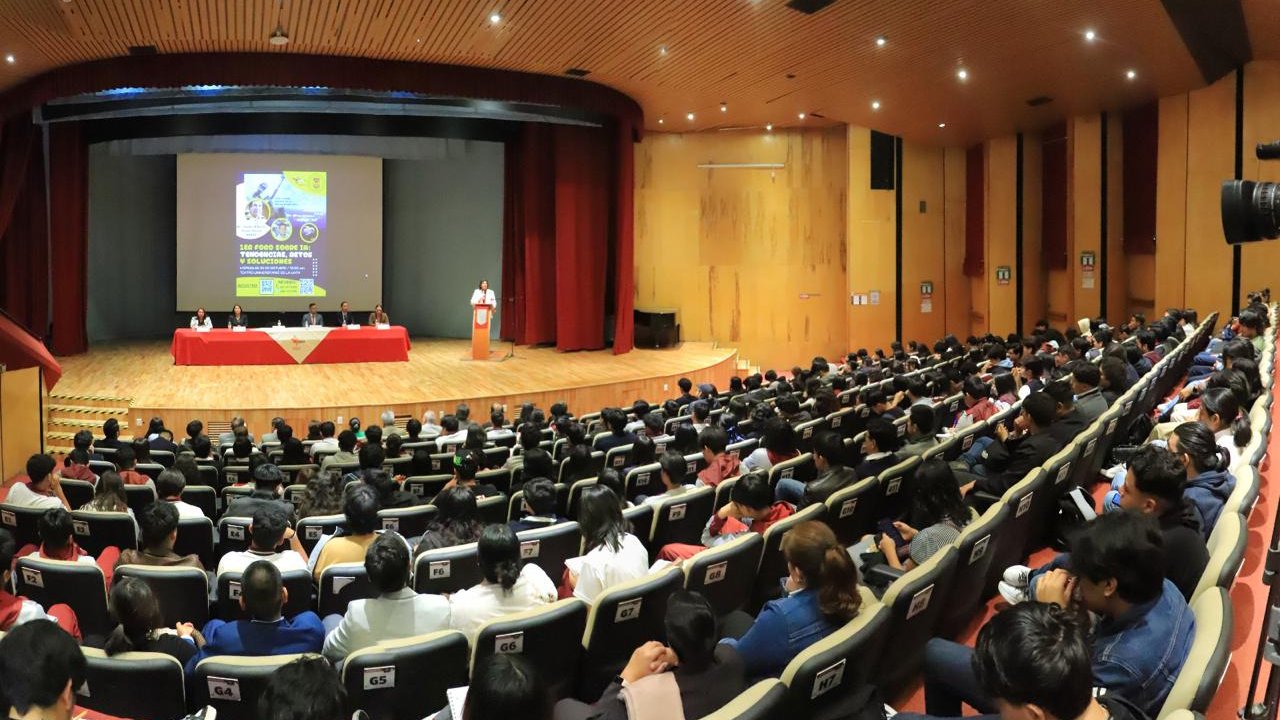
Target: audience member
[616, 420]
[140, 626]
[720, 464]
[832, 474]
[613, 555]
[360, 506]
[466, 465]
[537, 506]
[1015, 453]
[169, 486]
[109, 496]
[937, 516]
[15, 609]
[920, 434]
[43, 488]
[456, 522]
[268, 481]
[504, 687]
[1085, 378]
[750, 509]
[159, 524]
[345, 454]
[76, 466]
[977, 403]
[878, 448]
[507, 587]
[323, 496]
[1209, 482]
[41, 669]
[777, 443]
[269, 529]
[110, 436]
[672, 474]
[306, 689]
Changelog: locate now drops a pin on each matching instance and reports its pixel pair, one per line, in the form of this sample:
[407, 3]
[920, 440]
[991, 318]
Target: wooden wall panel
[1035, 280]
[1001, 228]
[1117, 279]
[1171, 204]
[923, 241]
[955, 288]
[1259, 261]
[870, 238]
[1085, 210]
[1210, 159]
[21, 421]
[752, 258]
[1142, 285]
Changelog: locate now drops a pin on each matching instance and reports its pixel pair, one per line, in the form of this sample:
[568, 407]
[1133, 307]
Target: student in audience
[140, 626]
[528, 437]
[614, 480]
[327, 441]
[504, 687]
[538, 463]
[57, 542]
[507, 587]
[466, 465]
[1006, 390]
[1014, 453]
[306, 689]
[15, 609]
[643, 452]
[397, 612]
[616, 421]
[1209, 482]
[159, 437]
[456, 522]
[1253, 325]
[322, 496]
[195, 431]
[720, 464]
[450, 434]
[108, 495]
[878, 448]
[1085, 378]
[777, 443]
[920, 435]
[41, 669]
[360, 506]
[267, 486]
[821, 595]
[1113, 378]
[613, 555]
[267, 631]
[1068, 421]
[686, 392]
[672, 473]
[977, 403]
[685, 440]
[169, 486]
[125, 460]
[142, 451]
[1220, 412]
[1140, 641]
[750, 509]
[937, 510]
[346, 451]
[537, 506]
[159, 523]
[373, 437]
[203, 454]
[832, 474]
[76, 467]
[269, 529]
[110, 436]
[43, 488]
[703, 674]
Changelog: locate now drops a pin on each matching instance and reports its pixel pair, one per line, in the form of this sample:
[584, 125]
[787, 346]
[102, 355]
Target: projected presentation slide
[280, 234]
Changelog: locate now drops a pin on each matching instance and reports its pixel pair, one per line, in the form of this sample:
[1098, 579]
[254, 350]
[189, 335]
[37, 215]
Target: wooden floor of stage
[439, 374]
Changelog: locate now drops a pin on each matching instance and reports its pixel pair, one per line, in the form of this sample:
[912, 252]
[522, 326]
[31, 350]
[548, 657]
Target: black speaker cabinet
[656, 328]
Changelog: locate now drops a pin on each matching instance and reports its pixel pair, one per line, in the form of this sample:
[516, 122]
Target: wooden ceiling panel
[736, 51]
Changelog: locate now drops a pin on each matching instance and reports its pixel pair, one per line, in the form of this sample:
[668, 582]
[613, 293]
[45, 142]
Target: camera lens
[1250, 211]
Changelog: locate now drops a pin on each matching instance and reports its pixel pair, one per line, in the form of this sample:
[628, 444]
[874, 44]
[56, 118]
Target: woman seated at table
[378, 316]
[201, 320]
[237, 318]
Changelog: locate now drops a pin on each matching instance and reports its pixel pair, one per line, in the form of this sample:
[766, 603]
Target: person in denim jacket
[821, 595]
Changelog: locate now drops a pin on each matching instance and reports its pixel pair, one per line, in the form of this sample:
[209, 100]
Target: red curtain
[68, 236]
[582, 210]
[624, 274]
[23, 238]
[975, 181]
[1141, 146]
[1053, 197]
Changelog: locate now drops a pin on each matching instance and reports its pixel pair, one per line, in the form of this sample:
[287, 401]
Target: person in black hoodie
[1153, 486]
[1069, 421]
[1015, 453]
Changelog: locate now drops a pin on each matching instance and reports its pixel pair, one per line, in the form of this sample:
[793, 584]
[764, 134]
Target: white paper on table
[239, 328]
[383, 326]
[203, 328]
[353, 326]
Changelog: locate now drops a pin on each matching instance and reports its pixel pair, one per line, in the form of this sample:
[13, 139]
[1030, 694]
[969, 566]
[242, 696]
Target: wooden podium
[481, 318]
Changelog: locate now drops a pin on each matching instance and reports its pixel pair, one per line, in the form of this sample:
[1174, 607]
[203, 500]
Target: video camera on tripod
[1251, 208]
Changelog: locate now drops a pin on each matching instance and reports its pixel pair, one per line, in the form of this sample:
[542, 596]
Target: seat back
[824, 680]
[1226, 552]
[405, 678]
[640, 518]
[1245, 494]
[575, 497]
[1202, 671]
[773, 566]
[963, 440]
[618, 457]
[975, 550]
[550, 636]
[623, 618]
[800, 468]
[896, 488]
[233, 534]
[139, 496]
[426, 486]
[111, 685]
[724, 490]
[21, 522]
[763, 701]
[96, 531]
[499, 477]
[181, 592]
[311, 528]
[80, 586]
[203, 497]
[195, 537]
[447, 570]
[681, 518]
[410, 522]
[150, 469]
[549, 547]
[78, 492]
[297, 582]
[853, 511]
[1082, 474]
[725, 574]
[492, 509]
[340, 583]
[1044, 507]
[642, 480]
[1011, 544]
[231, 684]
[916, 600]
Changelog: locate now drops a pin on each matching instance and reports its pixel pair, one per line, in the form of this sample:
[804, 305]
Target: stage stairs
[65, 415]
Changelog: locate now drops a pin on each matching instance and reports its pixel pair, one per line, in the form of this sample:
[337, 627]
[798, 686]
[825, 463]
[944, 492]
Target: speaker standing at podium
[482, 304]
[483, 295]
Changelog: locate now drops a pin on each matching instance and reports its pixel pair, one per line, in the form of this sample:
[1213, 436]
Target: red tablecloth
[256, 347]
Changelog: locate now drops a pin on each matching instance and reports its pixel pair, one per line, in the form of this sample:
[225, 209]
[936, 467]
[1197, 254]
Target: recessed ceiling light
[942, 125]
[418, 40]
[880, 41]
[662, 50]
[10, 59]
[689, 116]
[724, 107]
[875, 104]
[494, 19]
[1090, 35]
[661, 121]
[801, 116]
[1131, 74]
[962, 74]
[769, 127]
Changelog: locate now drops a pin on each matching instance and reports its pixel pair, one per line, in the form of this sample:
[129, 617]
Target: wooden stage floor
[439, 374]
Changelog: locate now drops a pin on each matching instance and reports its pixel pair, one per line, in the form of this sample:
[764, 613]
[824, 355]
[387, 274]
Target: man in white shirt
[449, 433]
[169, 486]
[327, 441]
[430, 428]
[397, 612]
[43, 489]
[674, 470]
[269, 528]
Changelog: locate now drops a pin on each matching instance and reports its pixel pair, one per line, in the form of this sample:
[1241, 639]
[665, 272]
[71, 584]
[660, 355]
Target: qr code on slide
[266, 287]
[306, 287]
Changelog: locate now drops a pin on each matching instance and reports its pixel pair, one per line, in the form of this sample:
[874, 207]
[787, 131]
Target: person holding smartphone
[938, 516]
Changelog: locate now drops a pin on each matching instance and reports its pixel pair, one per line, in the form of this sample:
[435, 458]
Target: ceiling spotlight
[801, 116]
[942, 125]
[880, 41]
[875, 104]
[10, 59]
[689, 116]
[962, 74]
[724, 107]
[769, 127]
[662, 50]
[1131, 74]
[661, 121]
[1090, 35]
[494, 19]
[279, 37]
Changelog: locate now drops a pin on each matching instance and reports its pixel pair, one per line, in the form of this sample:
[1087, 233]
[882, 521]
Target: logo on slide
[308, 233]
[267, 286]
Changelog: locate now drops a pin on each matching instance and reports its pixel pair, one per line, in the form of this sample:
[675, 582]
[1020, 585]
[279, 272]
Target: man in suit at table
[313, 318]
[345, 317]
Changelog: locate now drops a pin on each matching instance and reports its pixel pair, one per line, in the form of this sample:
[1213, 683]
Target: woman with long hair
[108, 494]
[1209, 483]
[821, 589]
[457, 521]
[322, 496]
[938, 511]
[1220, 412]
[507, 588]
[140, 627]
[613, 555]
[237, 318]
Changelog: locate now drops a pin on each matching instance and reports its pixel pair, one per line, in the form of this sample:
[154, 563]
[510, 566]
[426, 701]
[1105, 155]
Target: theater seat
[549, 636]
[975, 550]
[195, 537]
[340, 583]
[773, 566]
[853, 511]
[203, 497]
[77, 492]
[799, 468]
[182, 592]
[113, 685]
[492, 509]
[233, 534]
[763, 701]
[623, 618]
[618, 457]
[642, 480]
[405, 678]
[549, 547]
[426, 486]
[916, 601]
[575, 497]
[1210, 654]
[447, 570]
[297, 582]
[1245, 494]
[410, 522]
[897, 488]
[681, 518]
[640, 518]
[231, 684]
[95, 531]
[310, 529]
[499, 477]
[81, 586]
[1011, 545]
[725, 574]
[832, 677]
[21, 522]
[1226, 552]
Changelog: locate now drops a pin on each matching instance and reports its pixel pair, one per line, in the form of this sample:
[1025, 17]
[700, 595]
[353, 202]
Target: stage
[140, 379]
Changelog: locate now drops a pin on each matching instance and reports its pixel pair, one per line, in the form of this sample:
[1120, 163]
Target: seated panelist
[379, 316]
[201, 321]
[237, 318]
[345, 317]
[312, 318]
